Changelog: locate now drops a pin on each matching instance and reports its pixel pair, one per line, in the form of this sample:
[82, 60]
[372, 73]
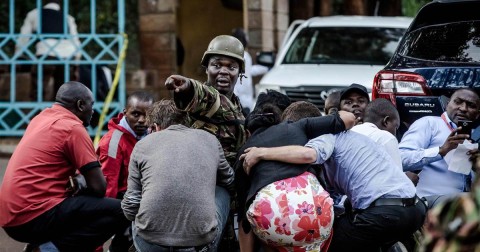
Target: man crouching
[177, 185]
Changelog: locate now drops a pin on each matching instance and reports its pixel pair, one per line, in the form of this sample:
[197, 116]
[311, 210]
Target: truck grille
[313, 94]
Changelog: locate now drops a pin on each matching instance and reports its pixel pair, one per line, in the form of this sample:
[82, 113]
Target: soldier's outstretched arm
[182, 88]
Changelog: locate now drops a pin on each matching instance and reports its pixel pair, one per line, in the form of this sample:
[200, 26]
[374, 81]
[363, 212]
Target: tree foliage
[411, 7]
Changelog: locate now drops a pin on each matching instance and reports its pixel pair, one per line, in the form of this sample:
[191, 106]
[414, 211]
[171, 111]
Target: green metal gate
[15, 113]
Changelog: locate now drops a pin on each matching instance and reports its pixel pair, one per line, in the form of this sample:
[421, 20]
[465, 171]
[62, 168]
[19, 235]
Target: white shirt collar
[369, 124]
[454, 126]
[124, 124]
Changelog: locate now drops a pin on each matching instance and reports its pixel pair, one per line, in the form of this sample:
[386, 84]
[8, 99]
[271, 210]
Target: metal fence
[96, 49]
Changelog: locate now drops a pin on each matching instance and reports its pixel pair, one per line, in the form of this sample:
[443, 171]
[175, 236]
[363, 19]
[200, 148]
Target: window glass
[454, 42]
[344, 45]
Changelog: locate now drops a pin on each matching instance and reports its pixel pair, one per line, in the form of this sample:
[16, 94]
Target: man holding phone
[430, 138]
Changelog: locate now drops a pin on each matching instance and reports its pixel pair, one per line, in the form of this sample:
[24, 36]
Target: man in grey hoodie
[178, 185]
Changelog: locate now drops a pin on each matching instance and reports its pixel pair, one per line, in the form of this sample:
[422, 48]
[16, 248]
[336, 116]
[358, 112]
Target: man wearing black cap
[354, 99]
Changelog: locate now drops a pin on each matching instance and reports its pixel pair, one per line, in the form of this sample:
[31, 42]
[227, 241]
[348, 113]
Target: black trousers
[370, 229]
[80, 223]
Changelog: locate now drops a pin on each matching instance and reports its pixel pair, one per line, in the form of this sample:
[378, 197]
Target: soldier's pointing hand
[177, 83]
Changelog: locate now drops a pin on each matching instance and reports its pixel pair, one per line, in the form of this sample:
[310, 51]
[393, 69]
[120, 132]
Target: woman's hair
[268, 110]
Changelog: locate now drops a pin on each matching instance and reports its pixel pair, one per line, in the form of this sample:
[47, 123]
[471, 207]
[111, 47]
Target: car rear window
[453, 42]
[344, 45]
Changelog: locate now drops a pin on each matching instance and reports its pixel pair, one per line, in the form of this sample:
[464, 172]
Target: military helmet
[225, 45]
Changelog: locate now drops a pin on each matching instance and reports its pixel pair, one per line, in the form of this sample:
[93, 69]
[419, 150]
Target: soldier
[213, 106]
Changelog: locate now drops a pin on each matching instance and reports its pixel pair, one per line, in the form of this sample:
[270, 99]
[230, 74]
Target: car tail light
[389, 84]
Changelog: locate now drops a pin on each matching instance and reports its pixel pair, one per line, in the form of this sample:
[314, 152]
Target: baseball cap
[354, 87]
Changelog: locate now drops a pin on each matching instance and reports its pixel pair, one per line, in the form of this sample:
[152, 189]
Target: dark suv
[439, 53]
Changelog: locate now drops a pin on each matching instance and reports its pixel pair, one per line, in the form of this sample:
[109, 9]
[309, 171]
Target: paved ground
[6, 243]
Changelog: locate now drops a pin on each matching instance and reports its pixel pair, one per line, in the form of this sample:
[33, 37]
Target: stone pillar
[267, 22]
[261, 24]
[157, 44]
[282, 21]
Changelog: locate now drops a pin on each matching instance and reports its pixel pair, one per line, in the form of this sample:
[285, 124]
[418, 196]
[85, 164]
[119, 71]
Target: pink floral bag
[294, 214]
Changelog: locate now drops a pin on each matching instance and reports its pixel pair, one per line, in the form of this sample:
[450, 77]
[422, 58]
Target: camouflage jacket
[454, 225]
[227, 123]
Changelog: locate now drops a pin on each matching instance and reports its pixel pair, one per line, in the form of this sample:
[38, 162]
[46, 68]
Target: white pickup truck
[324, 54]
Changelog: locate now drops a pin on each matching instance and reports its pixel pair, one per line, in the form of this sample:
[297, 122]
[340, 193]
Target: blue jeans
[222, 204]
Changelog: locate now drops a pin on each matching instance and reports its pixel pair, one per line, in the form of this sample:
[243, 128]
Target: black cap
[354, 88]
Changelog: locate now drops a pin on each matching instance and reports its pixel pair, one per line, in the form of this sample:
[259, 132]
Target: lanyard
[446, 122]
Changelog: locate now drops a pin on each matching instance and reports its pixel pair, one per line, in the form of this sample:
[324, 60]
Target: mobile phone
[466, 127]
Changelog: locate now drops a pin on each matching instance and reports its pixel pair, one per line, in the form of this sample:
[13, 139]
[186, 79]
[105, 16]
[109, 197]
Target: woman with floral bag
[284, 204]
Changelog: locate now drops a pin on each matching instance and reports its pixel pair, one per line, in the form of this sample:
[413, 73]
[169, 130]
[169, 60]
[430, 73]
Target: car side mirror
[266, 59]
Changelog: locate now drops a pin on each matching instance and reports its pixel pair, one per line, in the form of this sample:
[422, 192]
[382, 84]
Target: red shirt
[55, 146]
[114, 150]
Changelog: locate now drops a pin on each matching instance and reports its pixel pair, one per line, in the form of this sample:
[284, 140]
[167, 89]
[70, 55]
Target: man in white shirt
[49, 48]
[383, 207]
[381, 121]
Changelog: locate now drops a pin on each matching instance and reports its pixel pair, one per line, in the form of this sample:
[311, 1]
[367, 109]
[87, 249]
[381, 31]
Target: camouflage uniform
[227, 123]
[454, 225]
